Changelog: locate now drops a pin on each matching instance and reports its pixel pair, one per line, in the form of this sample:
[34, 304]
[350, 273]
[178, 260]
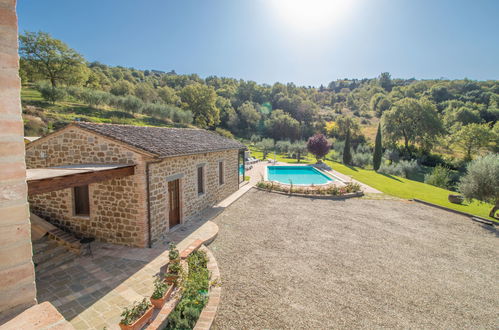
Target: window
[200, 180]
[81, 201]
[220, 173]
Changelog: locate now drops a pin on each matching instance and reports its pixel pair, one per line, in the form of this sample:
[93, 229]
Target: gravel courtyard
[292, 262]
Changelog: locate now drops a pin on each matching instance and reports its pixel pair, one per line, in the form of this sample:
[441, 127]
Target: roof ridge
[130, 125]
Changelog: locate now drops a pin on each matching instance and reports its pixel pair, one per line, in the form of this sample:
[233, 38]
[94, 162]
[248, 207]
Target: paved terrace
[91, 291]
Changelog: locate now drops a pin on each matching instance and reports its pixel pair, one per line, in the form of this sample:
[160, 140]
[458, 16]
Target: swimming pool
[299, 175]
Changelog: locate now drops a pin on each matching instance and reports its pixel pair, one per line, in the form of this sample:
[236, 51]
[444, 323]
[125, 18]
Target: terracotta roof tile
[165, 141]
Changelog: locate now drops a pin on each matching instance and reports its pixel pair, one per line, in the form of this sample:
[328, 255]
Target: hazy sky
[308, 42]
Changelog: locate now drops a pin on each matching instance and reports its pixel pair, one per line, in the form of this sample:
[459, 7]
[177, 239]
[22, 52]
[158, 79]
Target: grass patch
[409, 189]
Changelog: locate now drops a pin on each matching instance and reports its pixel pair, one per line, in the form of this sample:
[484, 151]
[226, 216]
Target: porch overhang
[44, 180]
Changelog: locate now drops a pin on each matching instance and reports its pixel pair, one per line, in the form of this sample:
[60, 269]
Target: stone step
[42, 245]
[64, 238]
[48, 254]
[57, 261]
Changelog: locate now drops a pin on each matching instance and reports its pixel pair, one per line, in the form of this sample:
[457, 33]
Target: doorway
[174, 202]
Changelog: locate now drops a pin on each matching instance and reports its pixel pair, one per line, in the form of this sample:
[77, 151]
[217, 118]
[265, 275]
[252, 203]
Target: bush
[158, 110]
[130, 103]
[224, 132]
[439, 177]
[482, 181]
[404, 168]
[255, 138]
[265, 146]
[282, 146]
[51, 94]
[362, 159]
[337, 154]
[392, 155]
[181, 116]
[362, 156]
[431, 160]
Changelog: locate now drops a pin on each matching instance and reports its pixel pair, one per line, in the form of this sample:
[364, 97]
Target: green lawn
[408, 189]
[396, 186]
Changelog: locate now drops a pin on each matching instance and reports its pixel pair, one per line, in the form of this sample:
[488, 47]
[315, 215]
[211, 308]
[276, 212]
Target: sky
[308, 42]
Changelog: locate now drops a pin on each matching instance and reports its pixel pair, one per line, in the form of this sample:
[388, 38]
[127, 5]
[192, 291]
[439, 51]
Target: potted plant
[173, 254]
[174, 268]
[135, 317]
[456, 199]
[173, 272]
[162, 291]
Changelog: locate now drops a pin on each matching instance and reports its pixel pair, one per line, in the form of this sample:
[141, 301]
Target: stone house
[127, 184]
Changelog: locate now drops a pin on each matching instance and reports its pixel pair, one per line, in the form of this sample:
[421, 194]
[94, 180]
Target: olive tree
[482, 181]
[266, 146]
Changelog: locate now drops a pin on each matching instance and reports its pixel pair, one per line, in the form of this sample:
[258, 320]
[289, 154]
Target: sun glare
[311, 15]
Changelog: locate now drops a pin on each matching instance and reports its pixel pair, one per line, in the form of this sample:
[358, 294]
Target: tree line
[416, 116]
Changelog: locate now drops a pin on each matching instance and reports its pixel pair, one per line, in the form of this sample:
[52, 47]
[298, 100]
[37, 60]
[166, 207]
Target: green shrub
[51, 94]
[224, 132]
[362, 156]
[481, 181]
[439, 177]
[404, 168]
[282, 146]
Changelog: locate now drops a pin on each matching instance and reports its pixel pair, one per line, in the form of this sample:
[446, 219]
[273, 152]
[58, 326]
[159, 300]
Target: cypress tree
[347, 154]
[377, 150]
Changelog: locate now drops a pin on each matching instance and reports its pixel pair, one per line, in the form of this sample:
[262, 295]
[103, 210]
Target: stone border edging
[209, 311]
[482, 220]
[346, 196]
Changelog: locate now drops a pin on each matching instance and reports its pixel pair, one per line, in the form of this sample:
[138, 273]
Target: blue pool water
[241, 169]
[303, 175]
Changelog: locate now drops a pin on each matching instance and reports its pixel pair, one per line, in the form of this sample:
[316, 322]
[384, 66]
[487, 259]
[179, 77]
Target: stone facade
[17, 276]
[185, 168]
[118, 207]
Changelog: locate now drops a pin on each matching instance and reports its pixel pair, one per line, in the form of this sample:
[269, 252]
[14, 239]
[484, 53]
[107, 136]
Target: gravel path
[298, 263]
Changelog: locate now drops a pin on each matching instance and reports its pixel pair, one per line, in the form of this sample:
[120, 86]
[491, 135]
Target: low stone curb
[346, 196]
[209, 311]
[473, 217]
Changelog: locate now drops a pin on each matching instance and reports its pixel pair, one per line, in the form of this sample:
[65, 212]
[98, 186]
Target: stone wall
[17, 277]
[118, 207]
[191, 203]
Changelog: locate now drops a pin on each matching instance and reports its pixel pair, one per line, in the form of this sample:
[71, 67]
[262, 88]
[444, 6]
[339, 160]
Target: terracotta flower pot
[158, 303]
[140, 322]
[170, 279]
